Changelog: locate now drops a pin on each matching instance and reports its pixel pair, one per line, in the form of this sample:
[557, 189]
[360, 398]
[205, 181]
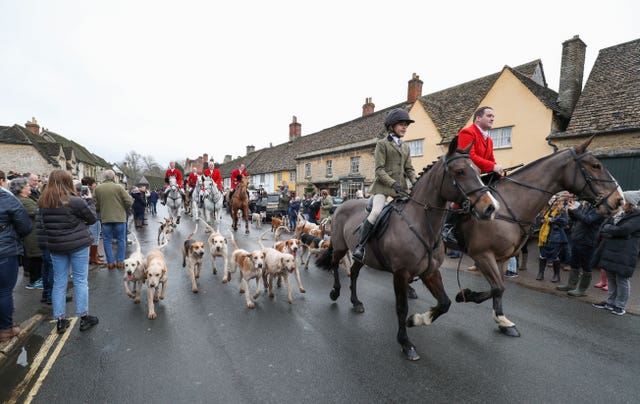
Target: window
[355, 165]
[329, 168]
[280, 177]
[292, 176]
[415, 146]
[307, 170]
[501, 137]
[261, 178]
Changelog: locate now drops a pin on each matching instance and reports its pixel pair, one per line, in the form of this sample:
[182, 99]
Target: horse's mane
[535, 162]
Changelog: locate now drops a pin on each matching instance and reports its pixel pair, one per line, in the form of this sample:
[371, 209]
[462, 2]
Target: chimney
[415, 88]
[368, 107]
[295, 129]
[33, 126]
[250, 149]
[227, 158]
[205, 157]
[571, 72]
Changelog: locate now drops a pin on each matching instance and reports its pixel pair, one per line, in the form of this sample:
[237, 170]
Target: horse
[411, 246]
[522, 195]
[240, 201]
[174, 200]
[213, 201]
[186, 204]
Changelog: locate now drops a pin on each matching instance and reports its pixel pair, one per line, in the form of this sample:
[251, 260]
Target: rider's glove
[396, 187]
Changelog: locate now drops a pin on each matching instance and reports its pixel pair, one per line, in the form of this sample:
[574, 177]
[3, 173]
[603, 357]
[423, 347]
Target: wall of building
[23, 158]
[424, 129]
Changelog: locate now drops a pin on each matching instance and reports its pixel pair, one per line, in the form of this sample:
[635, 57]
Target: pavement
[29, 312]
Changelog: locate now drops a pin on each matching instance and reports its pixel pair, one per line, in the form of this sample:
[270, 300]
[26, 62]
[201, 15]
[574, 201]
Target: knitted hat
[633, 197]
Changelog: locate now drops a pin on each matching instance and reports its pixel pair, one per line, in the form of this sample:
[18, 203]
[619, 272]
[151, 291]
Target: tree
[151, 166]
[131, 166]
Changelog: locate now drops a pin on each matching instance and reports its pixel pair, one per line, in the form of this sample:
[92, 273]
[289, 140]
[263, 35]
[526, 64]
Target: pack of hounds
[264, 265]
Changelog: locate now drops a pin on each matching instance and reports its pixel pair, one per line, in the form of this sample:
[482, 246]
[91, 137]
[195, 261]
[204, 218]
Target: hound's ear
[138, 263]
[145, 273]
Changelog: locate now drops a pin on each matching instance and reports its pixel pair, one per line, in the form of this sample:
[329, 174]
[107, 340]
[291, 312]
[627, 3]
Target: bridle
[589, 181]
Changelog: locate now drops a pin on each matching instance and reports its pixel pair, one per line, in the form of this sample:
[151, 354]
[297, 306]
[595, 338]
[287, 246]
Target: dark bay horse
[240, 201]
[411, 245]
[522, 195]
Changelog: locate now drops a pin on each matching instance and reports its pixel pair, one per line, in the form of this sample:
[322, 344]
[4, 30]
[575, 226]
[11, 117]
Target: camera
[85, 190]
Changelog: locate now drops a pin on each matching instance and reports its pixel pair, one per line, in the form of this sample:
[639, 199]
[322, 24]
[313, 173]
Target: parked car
[272, 205]
[336, 201]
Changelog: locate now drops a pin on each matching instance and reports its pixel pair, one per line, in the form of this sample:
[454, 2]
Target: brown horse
[240, 201]
[411, 245]
[522, 195]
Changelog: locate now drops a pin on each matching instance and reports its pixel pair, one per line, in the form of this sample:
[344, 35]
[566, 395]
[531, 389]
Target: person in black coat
[617, 253]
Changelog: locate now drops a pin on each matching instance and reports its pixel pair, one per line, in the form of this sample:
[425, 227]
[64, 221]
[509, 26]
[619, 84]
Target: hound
[275, 223]
[287, 247]
[256, 219]
[155, 275]
[134, 272]
[165, 230]
[218, 247]
[251, 265]
[193, 251]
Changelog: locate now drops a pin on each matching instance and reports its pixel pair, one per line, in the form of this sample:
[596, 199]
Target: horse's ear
[583, 147]
[467, 149]
[453, 146]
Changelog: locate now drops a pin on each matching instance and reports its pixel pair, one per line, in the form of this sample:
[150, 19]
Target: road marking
[42, 354]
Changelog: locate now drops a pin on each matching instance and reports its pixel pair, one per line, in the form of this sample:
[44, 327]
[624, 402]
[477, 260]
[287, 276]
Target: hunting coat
[393, 165]
[482, 151]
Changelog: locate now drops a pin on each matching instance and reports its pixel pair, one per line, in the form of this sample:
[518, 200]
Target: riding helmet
[395, 116]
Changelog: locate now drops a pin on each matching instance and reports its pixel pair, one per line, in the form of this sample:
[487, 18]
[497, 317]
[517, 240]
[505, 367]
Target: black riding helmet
[395, 116]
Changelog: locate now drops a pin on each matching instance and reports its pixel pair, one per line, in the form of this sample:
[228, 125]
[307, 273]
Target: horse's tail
[324, 260]
[260, 239]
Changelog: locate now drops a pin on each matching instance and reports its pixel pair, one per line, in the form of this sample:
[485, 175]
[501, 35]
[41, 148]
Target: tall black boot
[365, 232]
[542, 265]
[556, 272]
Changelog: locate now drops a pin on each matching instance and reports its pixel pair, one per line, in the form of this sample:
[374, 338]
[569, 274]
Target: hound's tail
[194, 232]
[260, 239]
[208, 227]
[135, 240]
[164, 244]
[233, 240]
[277, 232]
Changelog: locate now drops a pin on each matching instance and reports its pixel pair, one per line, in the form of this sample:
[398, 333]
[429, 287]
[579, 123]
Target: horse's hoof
[358, 308]
[510, 331]
[246, 232]
[460, 297]
[410, 353]
[410, 322]
[411, 293]
[334, 295]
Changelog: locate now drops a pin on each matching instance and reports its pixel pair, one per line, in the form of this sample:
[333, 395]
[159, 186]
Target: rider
[236, 177]
[481, 154]
[172, 171]
[390, 154]
[215, 175]
[192, 180]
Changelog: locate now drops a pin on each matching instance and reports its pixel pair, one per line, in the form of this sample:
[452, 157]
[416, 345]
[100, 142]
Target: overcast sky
[176, 79]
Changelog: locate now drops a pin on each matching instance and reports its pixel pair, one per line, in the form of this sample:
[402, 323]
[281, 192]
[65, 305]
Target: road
[209, 347]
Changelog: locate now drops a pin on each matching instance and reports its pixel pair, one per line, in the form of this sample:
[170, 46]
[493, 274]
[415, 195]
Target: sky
[176, 79]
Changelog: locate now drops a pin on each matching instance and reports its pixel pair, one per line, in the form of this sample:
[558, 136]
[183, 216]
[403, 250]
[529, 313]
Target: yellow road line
[52, 359]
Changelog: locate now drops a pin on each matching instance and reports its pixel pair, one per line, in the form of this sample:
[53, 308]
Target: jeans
[79, 262]
[117, 231]
[47, 274]
[154, 210]
[95, 232]
[619, 288]
[8, 279]
[511, 265]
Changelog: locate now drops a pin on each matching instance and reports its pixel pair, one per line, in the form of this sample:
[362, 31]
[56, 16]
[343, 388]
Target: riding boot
[556, 272]
[542, 265]
[522, 265]
[572, 282]
[365, 232]
[583, 285]
[450, 231]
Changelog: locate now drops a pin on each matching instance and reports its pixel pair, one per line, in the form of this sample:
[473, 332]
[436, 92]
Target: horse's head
[461, 183]
[591, 181]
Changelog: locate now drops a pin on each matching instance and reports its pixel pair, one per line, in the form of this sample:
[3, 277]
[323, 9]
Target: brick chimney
[227, 158]
[368, 107]
[33, 126]
[295, 129]
[571, 72]
[415, 88]
[250, 149]
[205, 157]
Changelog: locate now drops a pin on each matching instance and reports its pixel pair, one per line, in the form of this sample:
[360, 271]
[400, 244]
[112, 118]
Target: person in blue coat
[14, 225]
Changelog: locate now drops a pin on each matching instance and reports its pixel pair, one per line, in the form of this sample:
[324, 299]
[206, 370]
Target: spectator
[294, 208]
[153, 201]
[325, 205]
[314, 209]
[14, 225]
[306, 206]
[112, 203]
[283, 201]
[617, 253]
[63, 219]
[89, 185]
[359, 194]
[512, 268]
[32, 255]
[139, 205]
[552, 239]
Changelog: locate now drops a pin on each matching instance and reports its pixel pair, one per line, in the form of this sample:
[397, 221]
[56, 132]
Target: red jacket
[217, 178]
[234, 177]
[192, 180]
[174, 173]
[482, 151]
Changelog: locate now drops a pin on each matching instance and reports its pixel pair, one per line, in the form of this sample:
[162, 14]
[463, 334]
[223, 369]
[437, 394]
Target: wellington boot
[603, 280]
[542, 265]
[572, 282]
[522, 265]
[93, 256]
[556, 272]
[583, 285]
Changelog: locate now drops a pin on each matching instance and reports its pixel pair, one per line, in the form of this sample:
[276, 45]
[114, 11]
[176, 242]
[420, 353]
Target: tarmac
[30, 312]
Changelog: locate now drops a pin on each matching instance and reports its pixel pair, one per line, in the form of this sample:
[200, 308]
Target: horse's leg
[335, 263]
[358, 307]
[433, 282]
[400, 283]
[246, 220]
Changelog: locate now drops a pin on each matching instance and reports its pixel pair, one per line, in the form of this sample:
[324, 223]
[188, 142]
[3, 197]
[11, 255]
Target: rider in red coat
[172, 171]
[192, 180]
[236, 177]
[216, 176]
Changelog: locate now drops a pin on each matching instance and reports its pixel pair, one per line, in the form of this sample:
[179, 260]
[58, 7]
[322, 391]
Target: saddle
[382, 222]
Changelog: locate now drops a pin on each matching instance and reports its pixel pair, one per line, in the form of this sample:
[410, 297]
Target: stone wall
[23, 158]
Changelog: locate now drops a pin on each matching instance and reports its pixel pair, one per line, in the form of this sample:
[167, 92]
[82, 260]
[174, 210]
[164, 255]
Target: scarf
[545, 229]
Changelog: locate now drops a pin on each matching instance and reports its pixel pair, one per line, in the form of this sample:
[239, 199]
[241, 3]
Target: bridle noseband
[589, 180]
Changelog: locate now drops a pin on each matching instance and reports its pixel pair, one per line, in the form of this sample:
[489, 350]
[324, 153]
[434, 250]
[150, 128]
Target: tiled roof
[282, 157]
[82, 154]
[548, 96]
[610, 101]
